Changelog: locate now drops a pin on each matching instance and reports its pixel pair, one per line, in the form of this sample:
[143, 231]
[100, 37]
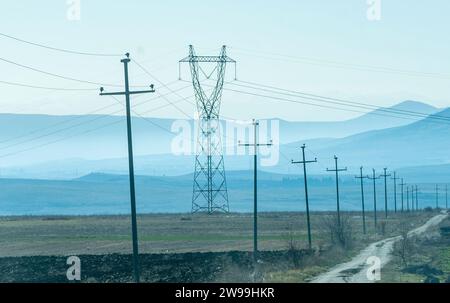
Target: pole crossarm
[131, 93]
[337, 170]
[363, 207]
[304, 162]
[374, 178]
[127, 93]
[385, 175]
[255, 144]
[395, 178]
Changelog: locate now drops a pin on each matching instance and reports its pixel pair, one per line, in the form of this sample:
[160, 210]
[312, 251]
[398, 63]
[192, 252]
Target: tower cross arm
[207, 59]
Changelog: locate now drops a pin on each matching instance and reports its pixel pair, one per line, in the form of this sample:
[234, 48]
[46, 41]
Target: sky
[323, 47]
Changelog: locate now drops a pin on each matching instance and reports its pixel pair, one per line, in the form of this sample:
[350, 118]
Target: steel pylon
[210, 186]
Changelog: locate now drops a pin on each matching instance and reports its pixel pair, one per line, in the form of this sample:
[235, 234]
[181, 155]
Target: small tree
[403, 247]
[340, 231]
[382, 227]
[293, 248]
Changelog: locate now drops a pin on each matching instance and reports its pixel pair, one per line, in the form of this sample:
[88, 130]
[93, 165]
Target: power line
[57, 140]
[165, 86]
[308, 103]
[59, 49]
[336, 64]
[327, 106]
[145, 118]
[342, 101]
[174, 92]
[77, 125]
[46, 87]
[62, 76]
[74, 119]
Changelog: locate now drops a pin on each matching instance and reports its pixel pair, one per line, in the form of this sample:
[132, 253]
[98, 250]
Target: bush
[382, 227]
[403, 248]
[340, 233]
[293, 249]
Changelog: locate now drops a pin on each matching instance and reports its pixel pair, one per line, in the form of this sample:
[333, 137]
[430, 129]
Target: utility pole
[304, 162]
[407, 198]
[127, 93]
[412, 198]
[402, 186]
[395, 191]
[385, 175]
[437, 196]
[337, 170]
[255, 145]
[417, 198]
[361, 177]
[446, 196]
[374, 178]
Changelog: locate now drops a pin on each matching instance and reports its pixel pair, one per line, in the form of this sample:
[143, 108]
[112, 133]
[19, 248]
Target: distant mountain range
[375, 120]
[417, 144]
[374, 140]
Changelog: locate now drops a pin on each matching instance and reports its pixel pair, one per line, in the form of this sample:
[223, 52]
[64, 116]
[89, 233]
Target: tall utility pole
[304, 162]
[127, 93]
[337, 170]
[361, 178]
[395, 191]
[412, 197]
[407, 198]
[385, 175]
[210, 193]
[255, 145]
[446, 196]
[437, 196]
[402, 186]
[417, 198]
[374, 178]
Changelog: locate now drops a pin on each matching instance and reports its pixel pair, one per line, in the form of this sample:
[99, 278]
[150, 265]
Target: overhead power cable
[46, 87]
[59, 49]
[62, 76]
[165, 86]
[339, 101]
[406, 116]
[76, 118]
[79, 134]
[337, 64]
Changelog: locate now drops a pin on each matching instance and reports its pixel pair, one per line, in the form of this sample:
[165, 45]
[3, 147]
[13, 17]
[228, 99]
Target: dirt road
[355, 271]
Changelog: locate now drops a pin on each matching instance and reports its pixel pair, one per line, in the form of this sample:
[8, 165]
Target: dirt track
[355, 271]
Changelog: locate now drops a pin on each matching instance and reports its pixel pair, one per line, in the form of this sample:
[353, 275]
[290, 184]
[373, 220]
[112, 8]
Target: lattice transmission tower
[210, 186]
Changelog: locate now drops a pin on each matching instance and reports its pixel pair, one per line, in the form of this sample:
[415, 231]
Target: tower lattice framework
[210, 186]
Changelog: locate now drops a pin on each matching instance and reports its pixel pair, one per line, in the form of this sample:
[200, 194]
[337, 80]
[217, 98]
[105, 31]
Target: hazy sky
[411, 35]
